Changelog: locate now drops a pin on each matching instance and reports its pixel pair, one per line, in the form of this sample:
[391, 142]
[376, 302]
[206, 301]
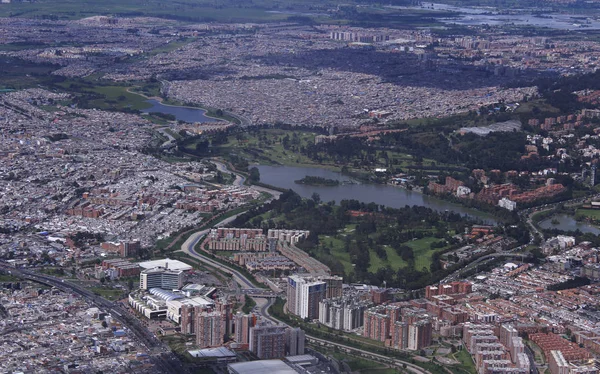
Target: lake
[186, 114]
[522, 17]
[388, 195]
[568, 223]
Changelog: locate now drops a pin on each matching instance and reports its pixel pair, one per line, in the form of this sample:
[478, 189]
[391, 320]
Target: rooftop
[166, 263]
[260, 367]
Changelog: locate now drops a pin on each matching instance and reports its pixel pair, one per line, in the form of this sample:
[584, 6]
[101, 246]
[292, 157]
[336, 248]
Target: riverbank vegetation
[317, 181]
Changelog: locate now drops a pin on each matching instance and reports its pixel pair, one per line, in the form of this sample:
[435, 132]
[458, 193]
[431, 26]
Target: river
[181, 113]
[568, 223]
[392, 196]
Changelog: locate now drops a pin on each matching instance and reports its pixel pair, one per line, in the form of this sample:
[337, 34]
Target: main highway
[161, 356]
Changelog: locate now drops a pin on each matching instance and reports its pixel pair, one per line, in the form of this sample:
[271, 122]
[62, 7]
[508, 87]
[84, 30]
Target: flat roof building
[261, 367]
[166, 263]
[161, 278]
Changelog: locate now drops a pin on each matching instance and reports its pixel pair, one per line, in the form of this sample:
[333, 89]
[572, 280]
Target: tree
[254, 175]
[316, 198]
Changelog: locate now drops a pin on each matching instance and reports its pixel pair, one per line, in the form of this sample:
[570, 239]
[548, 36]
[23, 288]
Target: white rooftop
[261, 367]
[212, 352]
[166, 263]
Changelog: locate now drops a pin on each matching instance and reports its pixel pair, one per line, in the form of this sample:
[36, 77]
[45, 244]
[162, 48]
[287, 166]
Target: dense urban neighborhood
[299, 187]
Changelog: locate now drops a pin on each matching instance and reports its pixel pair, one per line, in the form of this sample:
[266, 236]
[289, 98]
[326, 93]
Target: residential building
[267, 341]
[210, 329]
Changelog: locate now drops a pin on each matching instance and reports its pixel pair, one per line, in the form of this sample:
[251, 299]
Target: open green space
[277, 146]
[103, 95]
[170, 47]
[8, 278]
[20, 74]
[249, 304]
[108, 293]
[423, 251]
[360, 365]
[466, 361]
[334, 246]
[591, 214]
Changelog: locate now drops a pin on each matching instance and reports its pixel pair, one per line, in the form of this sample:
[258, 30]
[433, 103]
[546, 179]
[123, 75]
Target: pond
[568, 223]
[181, 113]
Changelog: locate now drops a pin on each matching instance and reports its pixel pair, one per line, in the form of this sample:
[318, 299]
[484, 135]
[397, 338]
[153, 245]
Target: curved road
[265, 304]
[190, 243]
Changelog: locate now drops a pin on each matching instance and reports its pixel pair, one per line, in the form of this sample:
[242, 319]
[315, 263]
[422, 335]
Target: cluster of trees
[381, 226]
[571, 283]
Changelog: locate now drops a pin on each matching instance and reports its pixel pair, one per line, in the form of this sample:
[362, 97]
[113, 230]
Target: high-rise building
[243, 324]
[345, 313]
[226, 309]
[399, 335]
[376, 325]
[507, 333]
[304, 296]
[267, 341]
[334, 286]
[557, 363]
[161, 278]
[210, 329]
[419, 335]
[295, 341]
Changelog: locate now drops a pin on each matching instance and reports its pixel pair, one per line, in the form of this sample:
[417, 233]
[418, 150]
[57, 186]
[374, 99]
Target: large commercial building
[183, 311]
[267, 341]
[161, 278]
[261, 366]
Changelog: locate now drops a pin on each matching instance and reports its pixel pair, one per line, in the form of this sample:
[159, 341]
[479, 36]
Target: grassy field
[361, 365]
[8, 278]
[109, 96]
[421, 249]
[107, 293]
[541, 105]
[170, 47]
[266, 147]
[466, 362]
[592, 214]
